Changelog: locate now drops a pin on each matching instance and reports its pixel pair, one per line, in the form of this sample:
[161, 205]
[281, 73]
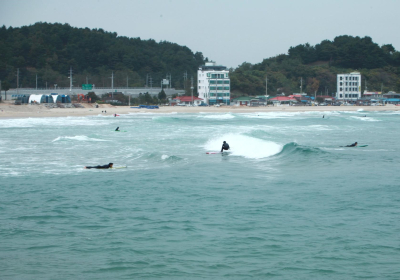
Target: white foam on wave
[217, 116]
[365, 119]
[284, 115]
[50, 122]
[245, 146]
[78, 138]
[164, 157]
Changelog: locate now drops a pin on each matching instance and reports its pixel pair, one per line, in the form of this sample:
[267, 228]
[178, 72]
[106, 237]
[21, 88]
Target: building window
[226, 82]
[346, 96]
[226, 93]
[226, 88]
[227, 75]
[208, 74]
[220, 82]
[346, 89]
[199, 87]
[219, 94]
[212, 82]
[341, 89]
[341, 78]
[341, 95]
[341, 83]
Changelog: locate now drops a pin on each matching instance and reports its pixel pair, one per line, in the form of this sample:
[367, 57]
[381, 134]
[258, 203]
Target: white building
[214, 84]
[348, 86]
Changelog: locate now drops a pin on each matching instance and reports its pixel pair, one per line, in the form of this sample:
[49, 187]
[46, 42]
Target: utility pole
[112, 79]
[36, 81]
[191, 87]
[184, 80]
[127, 81]
[87, 80]
[70, 79]
[17, 79]
[301, 85]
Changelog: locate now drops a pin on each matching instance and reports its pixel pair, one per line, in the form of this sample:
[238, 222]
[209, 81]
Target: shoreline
[40, 111]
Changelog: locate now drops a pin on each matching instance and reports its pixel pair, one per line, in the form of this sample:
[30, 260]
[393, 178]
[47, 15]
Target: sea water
[287, 202]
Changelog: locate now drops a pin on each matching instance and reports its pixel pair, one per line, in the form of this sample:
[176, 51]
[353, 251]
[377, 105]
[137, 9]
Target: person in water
[117, 129]
[225, 146]
[110, 165]
[352, 145]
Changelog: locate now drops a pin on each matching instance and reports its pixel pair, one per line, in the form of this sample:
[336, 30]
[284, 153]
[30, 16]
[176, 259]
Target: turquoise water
[286, 203]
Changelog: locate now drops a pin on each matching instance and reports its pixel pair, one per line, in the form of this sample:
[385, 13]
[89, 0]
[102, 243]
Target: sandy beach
[9, 110]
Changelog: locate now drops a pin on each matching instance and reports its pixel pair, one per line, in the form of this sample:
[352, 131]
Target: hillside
[49, 50]
[317, 67]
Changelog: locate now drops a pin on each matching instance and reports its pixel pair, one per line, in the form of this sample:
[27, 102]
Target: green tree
[5, 86]
[93, 97]
[162, 95]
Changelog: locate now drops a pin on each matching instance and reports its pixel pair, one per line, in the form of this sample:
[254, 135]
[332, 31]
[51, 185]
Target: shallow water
[286, 203]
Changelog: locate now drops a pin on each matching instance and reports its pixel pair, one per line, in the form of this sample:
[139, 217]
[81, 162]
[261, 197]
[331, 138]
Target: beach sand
[9, 110]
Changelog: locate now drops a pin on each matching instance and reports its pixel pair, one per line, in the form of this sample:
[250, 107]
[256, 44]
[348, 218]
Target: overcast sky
[229, 32]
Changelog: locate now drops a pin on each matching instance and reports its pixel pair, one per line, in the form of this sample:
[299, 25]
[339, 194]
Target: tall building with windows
[348, 86]
[214, 84]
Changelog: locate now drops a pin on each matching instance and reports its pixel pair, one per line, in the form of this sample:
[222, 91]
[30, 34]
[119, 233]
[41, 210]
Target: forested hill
[318, 65]
[49, 50]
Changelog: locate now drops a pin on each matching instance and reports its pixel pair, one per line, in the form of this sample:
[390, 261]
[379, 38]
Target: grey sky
[229, 32]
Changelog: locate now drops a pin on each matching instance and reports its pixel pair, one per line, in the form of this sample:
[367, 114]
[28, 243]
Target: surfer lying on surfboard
[110, 165]
[352, 145]
[225, 146]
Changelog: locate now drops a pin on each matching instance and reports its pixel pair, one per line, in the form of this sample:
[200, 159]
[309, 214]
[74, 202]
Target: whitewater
[286, 202]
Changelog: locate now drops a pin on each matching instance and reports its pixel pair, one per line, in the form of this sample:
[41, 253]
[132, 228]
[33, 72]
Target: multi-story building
[348, 86]
[214, 84]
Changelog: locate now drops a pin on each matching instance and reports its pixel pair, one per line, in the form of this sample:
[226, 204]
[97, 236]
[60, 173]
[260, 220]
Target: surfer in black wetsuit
[117, 129]
[225, 146]
[110, 165]
[352, 145]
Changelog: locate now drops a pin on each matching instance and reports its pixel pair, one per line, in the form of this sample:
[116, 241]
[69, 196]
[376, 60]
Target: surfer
[117, 129]
[225, 146]
[110, 165]
[352, 145]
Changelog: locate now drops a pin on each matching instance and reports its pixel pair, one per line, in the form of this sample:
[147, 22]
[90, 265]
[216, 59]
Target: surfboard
[119, 167]
[213, 153]
[120, 130]
[358, 146]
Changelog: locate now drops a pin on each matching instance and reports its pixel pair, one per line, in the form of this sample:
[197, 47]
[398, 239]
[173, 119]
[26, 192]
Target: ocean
[287, 202]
